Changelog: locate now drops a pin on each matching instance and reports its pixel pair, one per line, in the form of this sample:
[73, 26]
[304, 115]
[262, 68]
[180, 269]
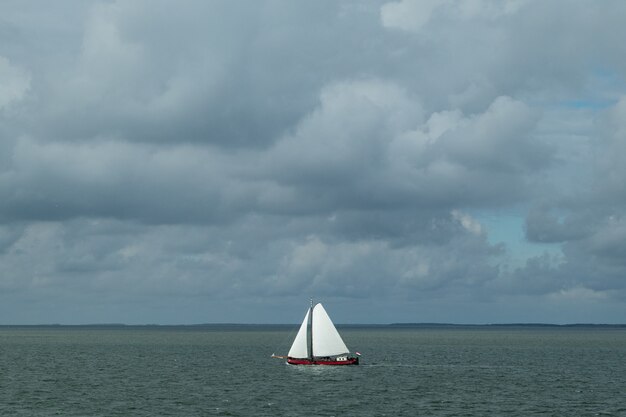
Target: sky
[401, 161]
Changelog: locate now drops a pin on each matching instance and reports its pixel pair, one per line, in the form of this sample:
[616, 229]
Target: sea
[227, 371]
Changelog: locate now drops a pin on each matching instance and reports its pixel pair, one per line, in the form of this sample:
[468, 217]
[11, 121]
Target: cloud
[127, 181]
[366, 146]
[579, 294]
[369, 143]
[413, 15]
[545, 225]
[157, 156]
[14, 83]
[407, 15]
[470, 224]
[588, 221]
[144, 72]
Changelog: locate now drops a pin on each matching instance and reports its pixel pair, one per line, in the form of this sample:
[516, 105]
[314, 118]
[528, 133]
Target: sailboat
[318, 342]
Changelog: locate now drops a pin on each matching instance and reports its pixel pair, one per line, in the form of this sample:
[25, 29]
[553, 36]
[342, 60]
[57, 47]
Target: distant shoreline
[251, 326]
[511, 325]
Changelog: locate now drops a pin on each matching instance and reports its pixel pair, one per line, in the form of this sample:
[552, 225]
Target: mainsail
[326, 339]
[322, 336]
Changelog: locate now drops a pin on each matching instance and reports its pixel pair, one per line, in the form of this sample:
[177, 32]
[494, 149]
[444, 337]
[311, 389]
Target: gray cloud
[236, 156]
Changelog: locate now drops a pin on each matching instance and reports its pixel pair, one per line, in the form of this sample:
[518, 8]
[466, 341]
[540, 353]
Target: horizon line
[389, 325]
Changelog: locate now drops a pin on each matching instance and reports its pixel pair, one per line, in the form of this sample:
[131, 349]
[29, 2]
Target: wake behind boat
[318, 342]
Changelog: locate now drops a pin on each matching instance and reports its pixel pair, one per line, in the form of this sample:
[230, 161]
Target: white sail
[326, 339]
[299, 347]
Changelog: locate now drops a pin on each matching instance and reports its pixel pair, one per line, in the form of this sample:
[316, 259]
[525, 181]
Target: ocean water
[229, 372]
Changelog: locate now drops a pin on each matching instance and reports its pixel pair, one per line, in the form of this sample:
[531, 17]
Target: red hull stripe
[350, 361]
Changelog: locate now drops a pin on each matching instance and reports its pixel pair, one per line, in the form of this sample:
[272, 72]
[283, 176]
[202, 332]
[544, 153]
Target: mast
[310, 332]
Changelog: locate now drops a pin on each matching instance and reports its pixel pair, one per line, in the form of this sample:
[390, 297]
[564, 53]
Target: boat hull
[331, 362]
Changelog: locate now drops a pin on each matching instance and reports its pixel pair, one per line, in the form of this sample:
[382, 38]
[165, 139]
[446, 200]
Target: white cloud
[469, 223]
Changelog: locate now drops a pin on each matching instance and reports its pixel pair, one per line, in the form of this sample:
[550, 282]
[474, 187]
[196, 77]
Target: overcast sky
[225, 161]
